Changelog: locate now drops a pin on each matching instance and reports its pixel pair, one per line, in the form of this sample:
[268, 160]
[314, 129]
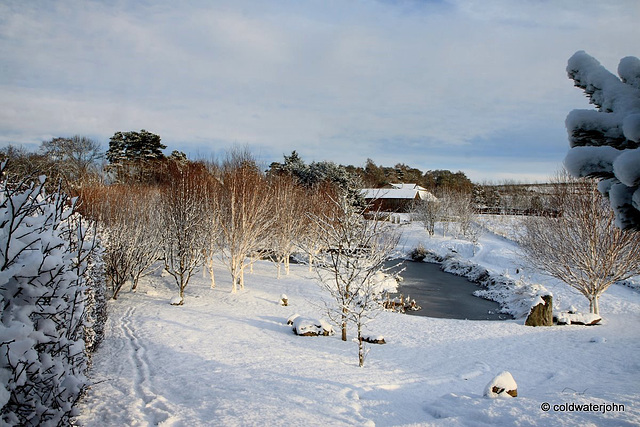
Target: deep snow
[231, 359]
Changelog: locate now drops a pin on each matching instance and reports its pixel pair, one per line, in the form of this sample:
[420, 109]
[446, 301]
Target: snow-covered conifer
[605, 143]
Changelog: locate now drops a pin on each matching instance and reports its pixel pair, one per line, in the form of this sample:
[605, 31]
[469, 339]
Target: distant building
[395, 197]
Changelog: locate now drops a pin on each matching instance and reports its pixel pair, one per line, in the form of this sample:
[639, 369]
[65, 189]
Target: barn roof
[399, 191]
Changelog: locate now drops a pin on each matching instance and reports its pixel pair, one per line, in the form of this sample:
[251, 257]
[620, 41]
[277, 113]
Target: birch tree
[582, 247]
[245, 214]
[288, 207]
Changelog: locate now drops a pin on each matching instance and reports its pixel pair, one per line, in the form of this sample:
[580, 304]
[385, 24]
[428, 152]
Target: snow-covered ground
[231, 359]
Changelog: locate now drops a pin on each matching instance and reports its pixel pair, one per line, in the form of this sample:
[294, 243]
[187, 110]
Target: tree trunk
[594, 304]
[213, 277]
[360, 346]
[234, 279]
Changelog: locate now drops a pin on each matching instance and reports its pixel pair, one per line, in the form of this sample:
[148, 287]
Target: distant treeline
[374, 176]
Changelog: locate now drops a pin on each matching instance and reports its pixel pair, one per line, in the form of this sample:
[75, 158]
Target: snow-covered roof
[400, 191]
[408, 186]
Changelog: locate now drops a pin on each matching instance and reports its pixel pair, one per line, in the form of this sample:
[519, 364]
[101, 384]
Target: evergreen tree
[130, 155]
[134, 146]
[317, 173]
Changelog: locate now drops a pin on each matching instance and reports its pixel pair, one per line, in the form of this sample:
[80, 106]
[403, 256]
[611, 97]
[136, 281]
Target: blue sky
[477, 86]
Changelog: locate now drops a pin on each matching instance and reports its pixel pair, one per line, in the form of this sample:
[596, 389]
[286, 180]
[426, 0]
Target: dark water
[444, 295]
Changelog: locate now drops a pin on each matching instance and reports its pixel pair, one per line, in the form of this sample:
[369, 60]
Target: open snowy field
[230, 359]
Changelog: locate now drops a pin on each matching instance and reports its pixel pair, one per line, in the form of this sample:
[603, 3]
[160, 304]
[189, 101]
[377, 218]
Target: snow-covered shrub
[418, 254]
[45, 251]
[605, 143]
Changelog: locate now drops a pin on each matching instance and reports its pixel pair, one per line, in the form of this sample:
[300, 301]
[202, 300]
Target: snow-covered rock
[177, 300]
[566, 318]
[502, 385]
[291, 318]
[374, 339]
[308, 327]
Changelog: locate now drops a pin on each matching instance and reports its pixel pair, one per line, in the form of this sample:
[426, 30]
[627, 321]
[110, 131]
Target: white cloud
[339, 80]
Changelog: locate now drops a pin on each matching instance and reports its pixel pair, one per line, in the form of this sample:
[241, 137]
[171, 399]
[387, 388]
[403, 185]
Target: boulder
[541, 313]
[502, 385]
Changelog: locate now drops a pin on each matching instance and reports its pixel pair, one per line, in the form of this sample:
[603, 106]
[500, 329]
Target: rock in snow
[541, 313]
[503, 385]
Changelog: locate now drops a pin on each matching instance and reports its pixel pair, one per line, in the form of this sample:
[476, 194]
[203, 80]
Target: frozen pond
[444, 295]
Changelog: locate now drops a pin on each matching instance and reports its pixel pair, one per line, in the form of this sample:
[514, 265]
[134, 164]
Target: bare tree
[351, 267]
[76, 158]
[464, 212]
[582, 246]
[317, 205]
[245, 215]
[429, 212]
[129, 223]
[185, 221]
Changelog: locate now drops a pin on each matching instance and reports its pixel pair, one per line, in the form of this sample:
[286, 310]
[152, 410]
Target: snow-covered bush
[605, 143]
[45, 252]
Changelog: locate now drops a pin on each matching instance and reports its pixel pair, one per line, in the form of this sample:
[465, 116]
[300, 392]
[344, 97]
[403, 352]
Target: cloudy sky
[472, 85]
